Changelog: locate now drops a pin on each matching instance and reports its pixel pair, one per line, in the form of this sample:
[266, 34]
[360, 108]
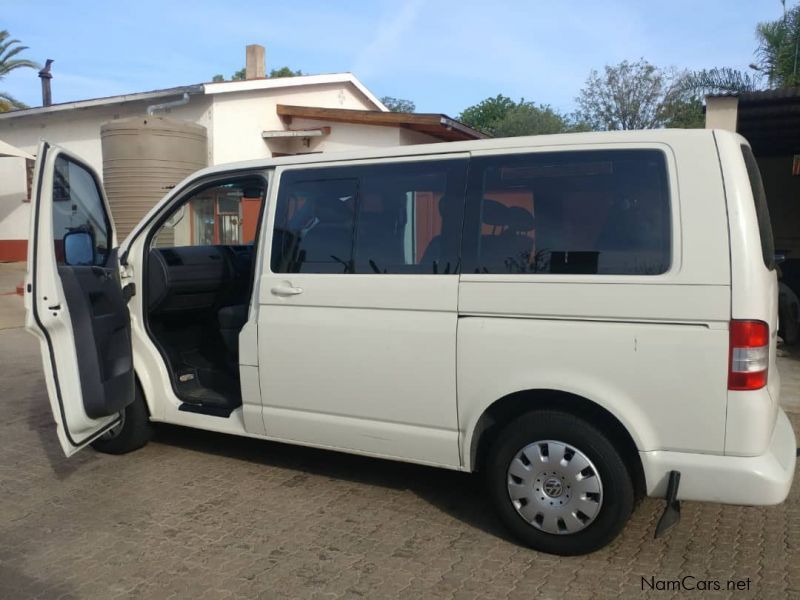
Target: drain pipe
[151, 110]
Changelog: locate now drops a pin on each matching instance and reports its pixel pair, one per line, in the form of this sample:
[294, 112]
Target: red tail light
[749, 355]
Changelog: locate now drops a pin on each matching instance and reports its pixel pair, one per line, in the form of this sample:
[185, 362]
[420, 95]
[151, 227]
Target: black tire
[135, 432]
[617, 487]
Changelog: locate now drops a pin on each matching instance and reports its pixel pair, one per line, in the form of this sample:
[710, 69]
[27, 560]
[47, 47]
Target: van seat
[231, 320]
[509, 244]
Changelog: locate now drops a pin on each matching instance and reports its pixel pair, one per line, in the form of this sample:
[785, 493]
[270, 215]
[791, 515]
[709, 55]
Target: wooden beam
[433, 124]
[294, 133]
[366, 117]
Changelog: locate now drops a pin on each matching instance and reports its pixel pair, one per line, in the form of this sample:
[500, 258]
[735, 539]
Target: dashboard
[198, 277]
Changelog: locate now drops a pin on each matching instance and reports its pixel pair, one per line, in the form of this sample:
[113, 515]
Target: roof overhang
[274, 83]
[224, 87]
[435, 125]
[107, 101]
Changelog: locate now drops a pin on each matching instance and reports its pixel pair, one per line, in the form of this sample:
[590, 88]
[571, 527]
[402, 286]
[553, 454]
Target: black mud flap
[672, 511]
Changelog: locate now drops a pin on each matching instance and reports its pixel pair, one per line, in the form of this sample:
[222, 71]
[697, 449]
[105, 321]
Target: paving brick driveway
[200, 515]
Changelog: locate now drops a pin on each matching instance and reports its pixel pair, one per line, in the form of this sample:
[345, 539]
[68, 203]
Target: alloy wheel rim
[555, 487]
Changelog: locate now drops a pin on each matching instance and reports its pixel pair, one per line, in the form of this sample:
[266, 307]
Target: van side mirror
[78, 248]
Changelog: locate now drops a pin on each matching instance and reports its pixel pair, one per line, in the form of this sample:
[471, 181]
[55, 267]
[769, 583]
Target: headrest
[519, 219]
[449, 207]
[516, 218]
[332, 210]
[494, 213]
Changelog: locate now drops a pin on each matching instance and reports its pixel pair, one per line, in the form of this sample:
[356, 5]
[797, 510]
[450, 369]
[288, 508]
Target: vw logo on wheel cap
[553, 487]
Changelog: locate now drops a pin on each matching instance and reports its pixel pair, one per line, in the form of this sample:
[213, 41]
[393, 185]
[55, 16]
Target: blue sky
[442, 54]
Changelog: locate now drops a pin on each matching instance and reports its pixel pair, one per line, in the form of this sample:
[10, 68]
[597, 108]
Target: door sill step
[212, 411]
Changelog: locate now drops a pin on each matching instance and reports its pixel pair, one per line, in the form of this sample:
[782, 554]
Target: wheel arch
[507, 408]
[140, 388]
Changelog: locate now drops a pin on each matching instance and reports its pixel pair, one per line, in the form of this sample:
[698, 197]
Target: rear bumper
[752, 480]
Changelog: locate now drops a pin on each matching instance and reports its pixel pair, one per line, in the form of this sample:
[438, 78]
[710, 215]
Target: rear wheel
[131, 433]
[558, 484]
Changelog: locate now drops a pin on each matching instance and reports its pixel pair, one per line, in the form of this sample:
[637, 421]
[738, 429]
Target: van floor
[196, 356]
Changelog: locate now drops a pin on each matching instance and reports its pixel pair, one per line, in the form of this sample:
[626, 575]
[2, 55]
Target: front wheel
[131, 433]
[558, 484]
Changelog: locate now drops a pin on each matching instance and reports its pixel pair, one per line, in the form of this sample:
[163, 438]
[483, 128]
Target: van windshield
[762, 211]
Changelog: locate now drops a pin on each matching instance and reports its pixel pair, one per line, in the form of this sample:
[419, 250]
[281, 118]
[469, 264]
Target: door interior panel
[102, 330]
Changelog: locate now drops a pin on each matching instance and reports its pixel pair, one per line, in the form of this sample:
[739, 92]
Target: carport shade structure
[770, 120]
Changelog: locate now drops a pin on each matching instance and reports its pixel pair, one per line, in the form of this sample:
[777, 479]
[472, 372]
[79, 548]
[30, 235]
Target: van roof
[443, 148]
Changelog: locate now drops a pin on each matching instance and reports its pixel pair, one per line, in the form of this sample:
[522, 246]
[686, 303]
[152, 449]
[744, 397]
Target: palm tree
[718, 80]
[9, 48]
[778, 52]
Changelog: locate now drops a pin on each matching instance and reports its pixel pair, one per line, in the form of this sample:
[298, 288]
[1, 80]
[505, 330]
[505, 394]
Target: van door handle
[286, 290]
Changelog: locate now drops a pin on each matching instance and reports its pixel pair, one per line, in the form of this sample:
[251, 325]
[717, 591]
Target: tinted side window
[314, 221]
[376, 219]
[583, 212]
[762, 212]
[78, 206]
[409, 217]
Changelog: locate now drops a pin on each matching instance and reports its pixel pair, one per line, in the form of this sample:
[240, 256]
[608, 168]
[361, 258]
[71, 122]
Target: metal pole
[46, 76]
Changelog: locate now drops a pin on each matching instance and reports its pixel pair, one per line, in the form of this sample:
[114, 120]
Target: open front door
[74, 301]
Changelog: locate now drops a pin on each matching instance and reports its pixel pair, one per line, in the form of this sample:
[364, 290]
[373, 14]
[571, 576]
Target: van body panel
[751, 480]
[352, 378]
[629, 343]
[627, 368]
[581, 300]
[363, 362]
[754, 296]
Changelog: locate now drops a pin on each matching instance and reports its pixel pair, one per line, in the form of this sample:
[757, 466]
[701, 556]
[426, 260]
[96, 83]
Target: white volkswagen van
[583, 318]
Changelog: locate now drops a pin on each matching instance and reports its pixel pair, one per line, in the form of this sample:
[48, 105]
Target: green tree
[778, 51]
[485, 115]
[526, 118]
[284, 72]
[639, 95]
[629, 95]
[503, 117]
[241, 74]
[398, 104]
[718, 80]
[9, 49]
[683, 113]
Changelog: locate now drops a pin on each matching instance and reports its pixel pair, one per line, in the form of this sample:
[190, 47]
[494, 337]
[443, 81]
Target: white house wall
[240, 117]
[79, 130]
[76, 130]
[347, 136]
[13, 194]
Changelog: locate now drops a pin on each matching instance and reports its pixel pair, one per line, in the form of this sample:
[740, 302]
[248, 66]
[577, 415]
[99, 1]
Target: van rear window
[762, 211]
